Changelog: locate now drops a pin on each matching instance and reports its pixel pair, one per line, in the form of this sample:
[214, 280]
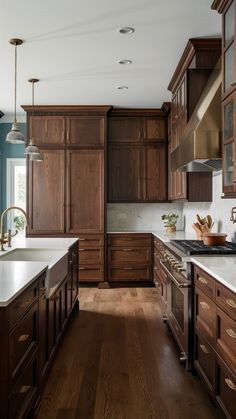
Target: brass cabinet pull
[24, 389]
[82, 269]
[128, 250]
[25, 304]
[63, 135]
[128, 269]
[82, 239]
[230, 384]
[54, 298]
[202, 280]
[204, 305]
[67, 135]
[231, 303]
[204, 349]
[23, 338]
[231, 333]
[42, 291]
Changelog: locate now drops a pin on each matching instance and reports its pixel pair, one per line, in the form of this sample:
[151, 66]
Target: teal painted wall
[8, 150]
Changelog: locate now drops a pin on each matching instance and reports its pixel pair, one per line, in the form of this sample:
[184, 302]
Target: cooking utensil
[214, 239]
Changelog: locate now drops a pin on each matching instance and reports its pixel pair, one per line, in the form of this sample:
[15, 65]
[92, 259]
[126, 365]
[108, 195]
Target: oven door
[178, 294]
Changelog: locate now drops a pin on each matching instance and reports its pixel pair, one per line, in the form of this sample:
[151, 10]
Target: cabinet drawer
[204, 361]
[130, 240]
[25, 391]
[121, 256]
[226, 299]
[22, 340]
[92, 240]
[91, 273]
[226, 389]
[205, 315]
[20, 305]
[205, 282]
[91, 256]
[130, 274]
[226, 338]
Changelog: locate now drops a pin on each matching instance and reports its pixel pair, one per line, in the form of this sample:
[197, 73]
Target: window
[16, 185]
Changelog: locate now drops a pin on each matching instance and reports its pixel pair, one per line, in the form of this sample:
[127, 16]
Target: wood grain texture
[117, 361]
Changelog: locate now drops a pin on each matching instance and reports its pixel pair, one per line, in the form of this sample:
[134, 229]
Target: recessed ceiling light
[122, 87]
[124, 62]
[126, 30]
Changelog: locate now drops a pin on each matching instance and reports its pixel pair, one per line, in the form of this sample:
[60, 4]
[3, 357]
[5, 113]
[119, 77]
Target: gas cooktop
[196, 247]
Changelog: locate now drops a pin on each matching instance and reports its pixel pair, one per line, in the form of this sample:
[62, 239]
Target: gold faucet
[2, 237]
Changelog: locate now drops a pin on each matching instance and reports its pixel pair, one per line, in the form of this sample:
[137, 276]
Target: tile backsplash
[140, 217]
[219, 209]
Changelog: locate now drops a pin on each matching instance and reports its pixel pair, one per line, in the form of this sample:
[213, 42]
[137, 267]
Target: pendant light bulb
[15, 136]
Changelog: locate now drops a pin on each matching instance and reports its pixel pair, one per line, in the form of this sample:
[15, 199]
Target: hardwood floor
[117, 361]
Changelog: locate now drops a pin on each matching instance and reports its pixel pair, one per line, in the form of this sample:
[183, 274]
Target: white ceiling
[72, 46]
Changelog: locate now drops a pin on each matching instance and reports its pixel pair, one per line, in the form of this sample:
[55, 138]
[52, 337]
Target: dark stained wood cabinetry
[66, 192]
[186, 85]
[129, 257]
[137, 156]
[159, 276]
[228, 10]
[31, 328]
[215, 339]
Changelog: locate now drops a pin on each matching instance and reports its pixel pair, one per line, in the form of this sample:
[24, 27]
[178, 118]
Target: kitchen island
[32, 320]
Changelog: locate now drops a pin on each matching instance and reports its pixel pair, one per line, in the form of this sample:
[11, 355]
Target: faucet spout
[2, 238]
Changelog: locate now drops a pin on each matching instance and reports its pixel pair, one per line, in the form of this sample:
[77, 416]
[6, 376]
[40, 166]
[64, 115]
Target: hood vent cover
[200, 149]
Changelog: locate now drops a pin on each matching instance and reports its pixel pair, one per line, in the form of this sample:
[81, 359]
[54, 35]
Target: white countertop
[178, 235]
[15, 277]
[222, 268]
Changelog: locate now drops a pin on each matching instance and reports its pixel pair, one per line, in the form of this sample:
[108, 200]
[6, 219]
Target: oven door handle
[173, 279]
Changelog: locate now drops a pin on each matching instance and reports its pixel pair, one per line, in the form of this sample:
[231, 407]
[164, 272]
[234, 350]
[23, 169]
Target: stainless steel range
[176, 263]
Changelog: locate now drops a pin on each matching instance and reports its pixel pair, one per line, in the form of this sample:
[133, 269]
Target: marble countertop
[160, 234]
[222, 268]
[15, 277]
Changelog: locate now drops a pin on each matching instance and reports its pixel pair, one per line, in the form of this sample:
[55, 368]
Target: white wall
[140, 217]
[219, 209]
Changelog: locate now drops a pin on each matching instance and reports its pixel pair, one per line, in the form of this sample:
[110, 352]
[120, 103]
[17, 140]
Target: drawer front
[21, 304]
[205, 315]
[129, 274]
[130, 240]
[226, 389]
[205, 282]
[92, 240]
[91, 256]
[24, 393]
[226, 299]
[22, 340]
[226, 338]
[128, 255]
[91, 273]
[204, 361]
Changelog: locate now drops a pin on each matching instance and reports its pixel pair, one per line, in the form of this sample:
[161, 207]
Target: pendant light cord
[15, 80]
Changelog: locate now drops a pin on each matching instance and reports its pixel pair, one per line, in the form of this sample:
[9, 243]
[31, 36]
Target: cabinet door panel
[155, 129]
[47, 130]
[125, 130]
[85, 130]
[155, 168]
[46, 193]
[85, 191]
[125, 174]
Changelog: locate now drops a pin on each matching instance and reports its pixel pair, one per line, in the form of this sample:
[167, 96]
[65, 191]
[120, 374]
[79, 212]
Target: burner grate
[196, 247]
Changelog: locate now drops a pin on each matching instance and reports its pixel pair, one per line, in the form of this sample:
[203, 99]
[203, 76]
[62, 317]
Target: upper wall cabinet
[137, 156]
[47, 130]
[187, 84]
[85, 131]
[227, 8]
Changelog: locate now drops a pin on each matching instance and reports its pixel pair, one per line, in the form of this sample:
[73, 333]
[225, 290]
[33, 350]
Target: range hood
[200, 148]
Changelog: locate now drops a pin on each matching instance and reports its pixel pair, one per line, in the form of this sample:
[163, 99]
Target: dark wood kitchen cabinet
[137, 156]
[228, 10]
[159, 276]
[187, 84]
[66, 192]
[129, 257]
[215, 339]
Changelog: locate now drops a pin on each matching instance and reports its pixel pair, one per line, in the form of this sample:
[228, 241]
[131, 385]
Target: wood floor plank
[118, 361]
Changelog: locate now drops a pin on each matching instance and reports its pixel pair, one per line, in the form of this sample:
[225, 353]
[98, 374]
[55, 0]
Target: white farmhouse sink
[57, 263]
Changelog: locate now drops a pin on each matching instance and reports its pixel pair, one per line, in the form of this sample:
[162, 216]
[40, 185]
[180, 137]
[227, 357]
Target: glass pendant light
[15, 136]
[32, 150]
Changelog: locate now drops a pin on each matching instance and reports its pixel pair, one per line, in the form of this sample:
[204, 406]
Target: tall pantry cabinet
[66, 192]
